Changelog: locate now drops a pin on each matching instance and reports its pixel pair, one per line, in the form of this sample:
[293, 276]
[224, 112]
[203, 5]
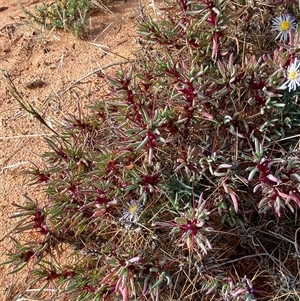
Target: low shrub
[66, 15]
[183, 181]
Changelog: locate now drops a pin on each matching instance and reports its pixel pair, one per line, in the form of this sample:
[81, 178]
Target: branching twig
[92, 73]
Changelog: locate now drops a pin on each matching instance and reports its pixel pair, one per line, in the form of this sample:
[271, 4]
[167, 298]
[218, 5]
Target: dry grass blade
[24, 104]
[103, 7]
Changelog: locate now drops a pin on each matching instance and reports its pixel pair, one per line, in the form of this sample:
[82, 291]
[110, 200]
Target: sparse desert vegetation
[182, 182]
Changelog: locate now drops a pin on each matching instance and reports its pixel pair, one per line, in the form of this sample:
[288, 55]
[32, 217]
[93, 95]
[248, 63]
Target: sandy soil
[47, 69]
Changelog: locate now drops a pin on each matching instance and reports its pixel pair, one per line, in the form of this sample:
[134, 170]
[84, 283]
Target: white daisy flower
[293, 76]
[130, 214]
[283, 24]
